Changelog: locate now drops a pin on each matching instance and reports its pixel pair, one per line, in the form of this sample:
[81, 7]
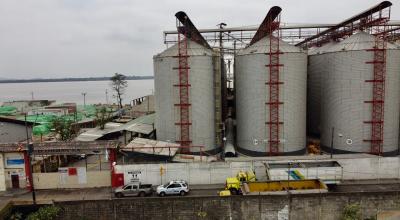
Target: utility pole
[106, 96]
[29, 148]
[32, 95]
[148, 104]
[333, 136]
[84, 98]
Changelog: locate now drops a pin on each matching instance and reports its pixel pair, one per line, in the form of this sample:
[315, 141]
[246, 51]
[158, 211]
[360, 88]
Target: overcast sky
[84, 38]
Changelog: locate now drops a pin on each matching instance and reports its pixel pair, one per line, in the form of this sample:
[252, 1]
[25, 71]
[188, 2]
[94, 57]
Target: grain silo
[315, 69]
[347, 94]
[201, 96]
[252, 98]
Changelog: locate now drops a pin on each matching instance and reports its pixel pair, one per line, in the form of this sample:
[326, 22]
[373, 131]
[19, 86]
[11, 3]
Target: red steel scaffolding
[183, 86]
[273, 84]
[378, 85]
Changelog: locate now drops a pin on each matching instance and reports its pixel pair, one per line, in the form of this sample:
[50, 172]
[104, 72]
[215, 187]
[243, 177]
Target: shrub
[45, 213]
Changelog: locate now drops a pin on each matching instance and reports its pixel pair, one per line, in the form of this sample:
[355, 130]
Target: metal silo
[315, 69]
[201, 96]
[252, 92]
[346, 94]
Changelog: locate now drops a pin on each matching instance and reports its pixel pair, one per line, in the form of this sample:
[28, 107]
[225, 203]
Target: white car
[176, 187]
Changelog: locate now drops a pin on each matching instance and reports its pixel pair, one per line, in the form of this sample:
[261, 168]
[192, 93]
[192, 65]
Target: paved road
[47, 196]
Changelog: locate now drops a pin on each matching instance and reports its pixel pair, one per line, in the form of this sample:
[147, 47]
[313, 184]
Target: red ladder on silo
[378, 87]
[183, 85]
[273, 124]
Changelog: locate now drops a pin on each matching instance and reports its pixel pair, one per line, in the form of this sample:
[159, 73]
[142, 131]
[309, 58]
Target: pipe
[229, 148]
[267, 26]
[189, 30]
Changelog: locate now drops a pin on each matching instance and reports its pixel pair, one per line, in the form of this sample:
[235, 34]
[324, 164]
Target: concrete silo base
[338, 151]
[209, 152]
[263, 154]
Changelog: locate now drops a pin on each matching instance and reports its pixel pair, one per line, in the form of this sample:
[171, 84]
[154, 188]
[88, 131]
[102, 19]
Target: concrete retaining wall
[371, 168]
[311, 206]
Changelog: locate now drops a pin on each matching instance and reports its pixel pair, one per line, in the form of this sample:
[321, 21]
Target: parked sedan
[176, 187]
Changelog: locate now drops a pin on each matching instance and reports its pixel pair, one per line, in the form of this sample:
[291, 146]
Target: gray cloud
[58, 38]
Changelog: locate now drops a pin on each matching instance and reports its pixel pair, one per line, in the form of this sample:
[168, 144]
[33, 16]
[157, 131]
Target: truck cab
[234, 184]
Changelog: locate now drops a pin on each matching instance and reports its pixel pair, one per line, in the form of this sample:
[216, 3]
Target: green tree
[119, 84]
[103, 115]
[63, 128]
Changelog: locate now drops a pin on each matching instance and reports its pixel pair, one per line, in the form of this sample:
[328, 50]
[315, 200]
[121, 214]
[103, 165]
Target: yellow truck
[233, 184]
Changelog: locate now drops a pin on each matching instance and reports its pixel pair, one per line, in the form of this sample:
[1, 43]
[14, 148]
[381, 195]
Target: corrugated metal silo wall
[315, 70]
[343, 92]
[201, 93]
[252, 94]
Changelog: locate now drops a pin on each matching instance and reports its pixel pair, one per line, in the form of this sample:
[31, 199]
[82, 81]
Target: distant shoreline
[71, 79]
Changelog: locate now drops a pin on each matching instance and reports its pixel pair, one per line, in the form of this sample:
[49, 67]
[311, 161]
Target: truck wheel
[119, 195]
[182, 193]
[233, 191]
[162, 194]
[142, 194]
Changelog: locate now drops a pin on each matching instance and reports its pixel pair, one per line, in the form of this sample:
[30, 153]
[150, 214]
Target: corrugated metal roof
[142, 125]
[262, 46]
[154, 147]
[96, 133]
[194, 49]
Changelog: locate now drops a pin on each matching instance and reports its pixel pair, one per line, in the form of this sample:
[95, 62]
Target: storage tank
[201, 96]
[344, 91]
[252, 93]
[315, 69]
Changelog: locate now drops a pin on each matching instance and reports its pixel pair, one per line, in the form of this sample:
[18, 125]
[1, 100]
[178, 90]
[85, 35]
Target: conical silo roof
[262, 46]
[359, 41]
[321, 49]
[193, 49]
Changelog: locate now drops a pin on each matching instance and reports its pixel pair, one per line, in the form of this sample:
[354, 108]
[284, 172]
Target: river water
[72, 91]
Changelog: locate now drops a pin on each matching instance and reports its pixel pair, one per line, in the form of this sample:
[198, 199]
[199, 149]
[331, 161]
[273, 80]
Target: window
[134, 187]
[174, 185]
[128, 188]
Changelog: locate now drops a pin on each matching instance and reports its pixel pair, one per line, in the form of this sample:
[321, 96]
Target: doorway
[15, 181]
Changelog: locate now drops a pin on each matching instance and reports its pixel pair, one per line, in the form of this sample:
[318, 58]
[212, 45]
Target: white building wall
[217, 172]
[10, 168]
